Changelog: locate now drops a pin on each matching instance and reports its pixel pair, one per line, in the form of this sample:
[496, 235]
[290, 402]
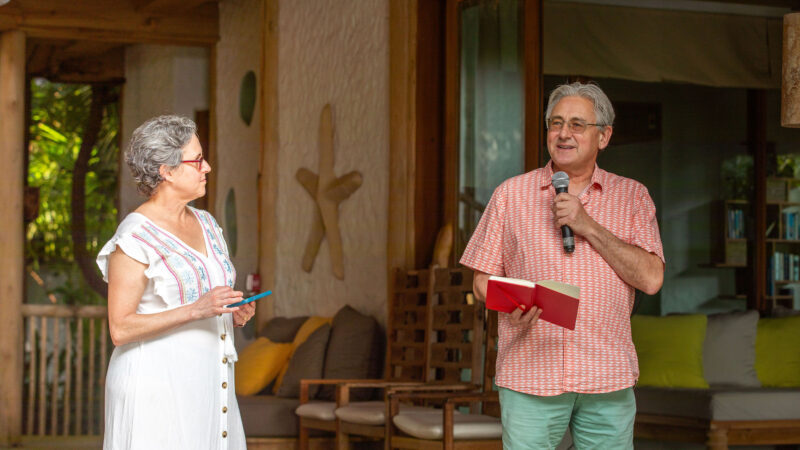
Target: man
[550, 377]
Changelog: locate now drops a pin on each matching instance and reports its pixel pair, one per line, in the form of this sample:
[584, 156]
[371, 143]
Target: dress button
[224, 409]
[222, 336]
[224, 385]
[224, 360]
[224, 434]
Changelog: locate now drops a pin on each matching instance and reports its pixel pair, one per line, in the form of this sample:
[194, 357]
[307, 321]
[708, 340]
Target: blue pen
[250, 299]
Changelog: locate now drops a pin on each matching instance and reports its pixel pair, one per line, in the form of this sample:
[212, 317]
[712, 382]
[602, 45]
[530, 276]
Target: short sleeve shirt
[517, 238]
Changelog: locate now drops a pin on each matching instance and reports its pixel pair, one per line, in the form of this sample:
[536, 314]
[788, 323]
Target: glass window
[491, 140]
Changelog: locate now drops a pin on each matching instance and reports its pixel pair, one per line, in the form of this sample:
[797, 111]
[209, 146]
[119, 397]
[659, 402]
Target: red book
[558, 301]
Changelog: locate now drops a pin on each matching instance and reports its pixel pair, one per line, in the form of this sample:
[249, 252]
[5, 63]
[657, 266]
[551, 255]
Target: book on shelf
[558, 301]
[736, 224]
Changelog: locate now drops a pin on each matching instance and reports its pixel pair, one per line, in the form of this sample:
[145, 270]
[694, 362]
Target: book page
[564, 288]
[515, 281]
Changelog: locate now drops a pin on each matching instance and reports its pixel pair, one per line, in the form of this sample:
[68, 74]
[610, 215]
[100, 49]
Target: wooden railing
[65, 358]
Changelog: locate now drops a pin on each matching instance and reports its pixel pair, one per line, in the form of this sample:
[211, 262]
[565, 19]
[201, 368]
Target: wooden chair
[452, 352]
[412, 314]
[447, 428]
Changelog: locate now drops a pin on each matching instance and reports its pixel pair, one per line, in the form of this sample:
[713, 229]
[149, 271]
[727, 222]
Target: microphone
[561, 182]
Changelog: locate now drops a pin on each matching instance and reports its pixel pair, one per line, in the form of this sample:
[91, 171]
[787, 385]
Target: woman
[170, 379]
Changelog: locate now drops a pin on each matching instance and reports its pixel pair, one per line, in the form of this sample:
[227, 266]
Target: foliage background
[58, 116]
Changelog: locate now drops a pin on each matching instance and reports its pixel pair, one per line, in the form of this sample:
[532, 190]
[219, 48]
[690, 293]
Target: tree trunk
[101, 96]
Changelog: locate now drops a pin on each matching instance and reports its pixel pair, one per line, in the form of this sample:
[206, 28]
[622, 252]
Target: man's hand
[527, 319]
[568, 210]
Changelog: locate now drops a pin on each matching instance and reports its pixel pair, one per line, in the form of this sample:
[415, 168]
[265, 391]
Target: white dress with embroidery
[174, 391]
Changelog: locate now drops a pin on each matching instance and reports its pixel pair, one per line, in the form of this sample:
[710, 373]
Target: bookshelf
[782, 240]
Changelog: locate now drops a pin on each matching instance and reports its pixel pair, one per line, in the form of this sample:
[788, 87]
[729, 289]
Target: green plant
[737, 177]
[59, 115]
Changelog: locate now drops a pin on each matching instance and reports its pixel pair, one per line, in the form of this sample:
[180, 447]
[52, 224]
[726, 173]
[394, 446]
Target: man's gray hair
[157, 142]
[603, 111]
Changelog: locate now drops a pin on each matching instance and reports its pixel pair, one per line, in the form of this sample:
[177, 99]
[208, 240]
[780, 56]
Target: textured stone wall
[158, 80]
[333, 52]
[238, 145]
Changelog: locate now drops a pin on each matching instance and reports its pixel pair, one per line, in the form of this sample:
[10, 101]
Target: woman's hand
[529, 318]
[243, 314]
[214, 302]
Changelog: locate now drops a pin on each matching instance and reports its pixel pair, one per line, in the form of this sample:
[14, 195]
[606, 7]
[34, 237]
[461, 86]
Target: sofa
[269, 370]
[719, 380]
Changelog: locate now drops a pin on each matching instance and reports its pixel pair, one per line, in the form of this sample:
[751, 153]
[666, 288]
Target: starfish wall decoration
[327, 191]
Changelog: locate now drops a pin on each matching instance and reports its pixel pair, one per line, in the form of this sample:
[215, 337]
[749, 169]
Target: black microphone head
[560, 180]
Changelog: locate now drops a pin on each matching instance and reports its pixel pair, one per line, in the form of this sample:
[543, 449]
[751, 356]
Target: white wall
[158, 80]
[333, 52]
[238, 145]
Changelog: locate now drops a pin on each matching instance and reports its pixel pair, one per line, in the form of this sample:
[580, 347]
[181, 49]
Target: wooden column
[534, 116]
[402, 133]
[12, 126]
[757, 143]
[268, 170]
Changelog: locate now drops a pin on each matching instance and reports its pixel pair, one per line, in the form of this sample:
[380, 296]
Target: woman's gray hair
[603, 111]
[157, 142]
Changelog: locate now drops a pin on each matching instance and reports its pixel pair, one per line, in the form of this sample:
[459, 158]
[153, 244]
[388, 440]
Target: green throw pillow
[670, 350]
[778, 352]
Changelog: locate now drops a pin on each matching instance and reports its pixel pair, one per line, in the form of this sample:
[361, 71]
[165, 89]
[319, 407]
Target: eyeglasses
[198, 163]
[575, 126]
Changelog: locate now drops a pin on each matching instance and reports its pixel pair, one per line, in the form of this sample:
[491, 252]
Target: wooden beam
[757, 143]
[533, 82]
[57, 65]
[167, 6]
[110, 21]
[268, 168]
[12, 131]
[402, 133]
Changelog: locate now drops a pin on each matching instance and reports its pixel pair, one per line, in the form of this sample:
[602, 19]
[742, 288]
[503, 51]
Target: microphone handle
[567, 237]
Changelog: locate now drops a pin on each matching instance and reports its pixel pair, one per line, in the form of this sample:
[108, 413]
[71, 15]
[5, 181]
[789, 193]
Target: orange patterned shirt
[517, 238]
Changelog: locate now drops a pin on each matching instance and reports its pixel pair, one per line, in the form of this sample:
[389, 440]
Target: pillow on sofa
[355, 350]
[729, 352]
[778, 352]
[258, 364]
[282, 329]
[308, 327]
[306, 363]
[670, 350]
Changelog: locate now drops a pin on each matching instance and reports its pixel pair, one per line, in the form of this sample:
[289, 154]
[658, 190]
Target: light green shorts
[597, 421]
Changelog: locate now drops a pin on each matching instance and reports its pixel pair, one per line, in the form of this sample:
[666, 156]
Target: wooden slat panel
[42, 375]
[90, 384]
[79, 378]
[31, 346]
[68, 379]
[54, 363]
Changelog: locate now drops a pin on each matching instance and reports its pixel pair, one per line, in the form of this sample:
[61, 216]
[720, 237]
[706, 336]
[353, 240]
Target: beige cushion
[372, 413]
[428, 425]
[317, 410]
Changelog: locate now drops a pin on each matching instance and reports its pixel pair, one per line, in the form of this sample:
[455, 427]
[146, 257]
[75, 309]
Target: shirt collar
[599, 176]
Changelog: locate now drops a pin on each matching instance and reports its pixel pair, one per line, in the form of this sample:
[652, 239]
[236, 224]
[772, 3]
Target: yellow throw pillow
[258, 365]
[778, 352]
[308, 327]
[670, 350]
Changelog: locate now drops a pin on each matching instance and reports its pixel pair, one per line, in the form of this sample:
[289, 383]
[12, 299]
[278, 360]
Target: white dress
[174, 391]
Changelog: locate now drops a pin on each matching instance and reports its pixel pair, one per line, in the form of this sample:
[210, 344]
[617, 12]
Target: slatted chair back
[407, 326]
[456, 324]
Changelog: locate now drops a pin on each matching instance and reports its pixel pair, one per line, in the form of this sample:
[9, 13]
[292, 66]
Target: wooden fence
[65, 360]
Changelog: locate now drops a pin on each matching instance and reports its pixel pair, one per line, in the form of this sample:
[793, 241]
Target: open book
[558, 301]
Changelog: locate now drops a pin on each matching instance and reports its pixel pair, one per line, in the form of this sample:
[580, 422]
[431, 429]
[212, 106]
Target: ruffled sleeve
[125, 240]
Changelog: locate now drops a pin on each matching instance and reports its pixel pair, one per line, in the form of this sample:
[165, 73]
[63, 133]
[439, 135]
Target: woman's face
[190, 177]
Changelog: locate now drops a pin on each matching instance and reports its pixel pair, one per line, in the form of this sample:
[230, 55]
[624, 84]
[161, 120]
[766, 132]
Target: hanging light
[790, 86]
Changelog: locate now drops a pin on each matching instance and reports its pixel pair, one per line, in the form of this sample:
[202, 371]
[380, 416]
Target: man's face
[572, 151]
